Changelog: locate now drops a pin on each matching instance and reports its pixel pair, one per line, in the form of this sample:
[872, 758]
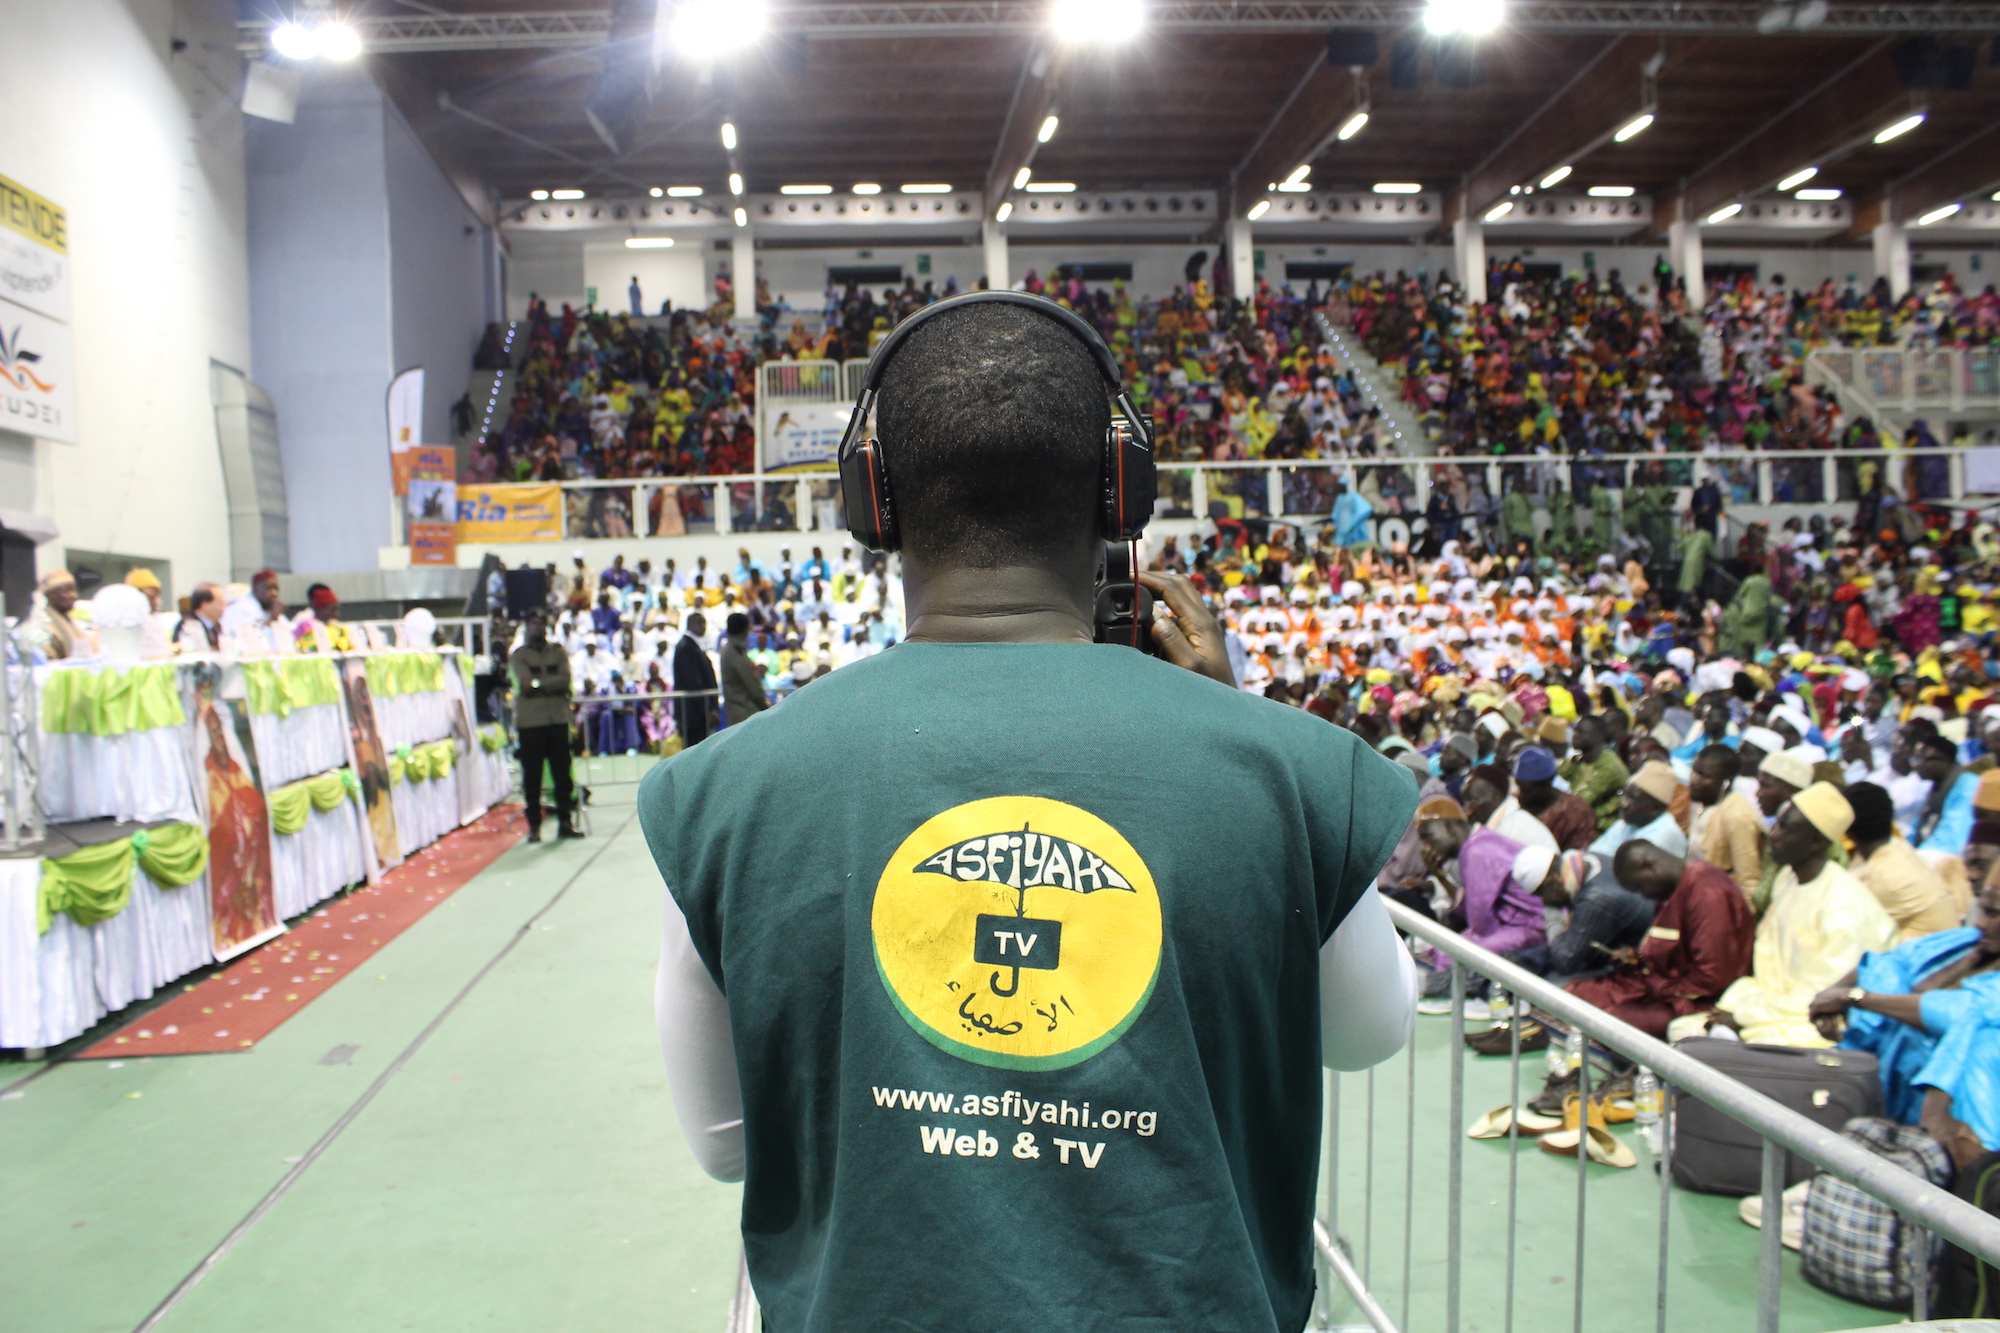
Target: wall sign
[37, 375]
[34, 251]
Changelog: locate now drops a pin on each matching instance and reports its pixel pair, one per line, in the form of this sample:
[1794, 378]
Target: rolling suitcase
[1713, 1154]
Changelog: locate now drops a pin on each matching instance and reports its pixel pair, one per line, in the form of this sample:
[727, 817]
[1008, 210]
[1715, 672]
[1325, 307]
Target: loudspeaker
[1403, 63]
[527, 592]
[1352, 46]
[1920, 62]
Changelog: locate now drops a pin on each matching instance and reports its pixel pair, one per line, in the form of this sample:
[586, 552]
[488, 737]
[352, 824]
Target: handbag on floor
[1714, 1154]
[1966, 1287]
[1859, 1247]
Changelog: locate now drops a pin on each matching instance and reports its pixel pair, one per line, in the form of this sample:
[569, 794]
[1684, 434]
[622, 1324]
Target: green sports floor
[504, 1157]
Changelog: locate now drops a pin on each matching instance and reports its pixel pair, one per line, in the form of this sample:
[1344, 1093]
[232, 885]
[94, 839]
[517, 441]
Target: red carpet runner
[245, 1002]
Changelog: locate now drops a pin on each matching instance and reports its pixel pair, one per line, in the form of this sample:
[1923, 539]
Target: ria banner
[510, 513]
[804, 435]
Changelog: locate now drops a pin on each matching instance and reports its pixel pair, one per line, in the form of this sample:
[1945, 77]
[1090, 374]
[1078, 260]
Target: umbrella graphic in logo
[15, 360]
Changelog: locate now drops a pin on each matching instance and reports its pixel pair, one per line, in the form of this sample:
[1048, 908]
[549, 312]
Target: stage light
[926, 189]
[1478, 17]
[294, 41]
[1500, 210]
[1816, 195]
[729, 136]
[742, 218]
[869, 188]
[1798, 178]
[1048, 129]
[1022, 177]
[1006, 211]
[1900, 128]
[565, 194]
[1556, 177]
[1052, 187]
[736, 182]
[649, 242]
[705, 29]
[1938, 214]
[538, 194]
[683, 192]
[1611, 191]
[1634, 127]
[1352, 126]
[1726, 212]
[1098, 20]
[1259, 209]
[656, 192]
[1398, 187]
[1299, 174]
[336, 41]
[805, 189]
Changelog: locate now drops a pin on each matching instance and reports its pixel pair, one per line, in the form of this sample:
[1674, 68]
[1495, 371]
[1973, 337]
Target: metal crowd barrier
[1781, 1130]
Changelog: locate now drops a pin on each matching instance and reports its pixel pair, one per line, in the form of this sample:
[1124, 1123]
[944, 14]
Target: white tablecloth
[414, 719]
[426, 810]
[305, 742]
[318, 861]
[141, 775]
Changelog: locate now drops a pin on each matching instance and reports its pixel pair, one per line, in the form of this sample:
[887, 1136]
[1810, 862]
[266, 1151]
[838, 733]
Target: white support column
[993, 236]
[1468, 246]
[743, 272]
[1892, 257]
[1242, 259]
[1684, 253]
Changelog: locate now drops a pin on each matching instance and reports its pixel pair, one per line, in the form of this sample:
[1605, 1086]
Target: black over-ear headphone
[1129, 482]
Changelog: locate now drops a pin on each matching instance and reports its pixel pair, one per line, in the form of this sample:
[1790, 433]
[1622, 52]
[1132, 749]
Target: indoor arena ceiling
[1225, 96]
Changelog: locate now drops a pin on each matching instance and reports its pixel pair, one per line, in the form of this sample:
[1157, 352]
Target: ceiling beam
[1302, 128]
[1581, 115]
[528, 30]
[1968, 169]
[1035, 96]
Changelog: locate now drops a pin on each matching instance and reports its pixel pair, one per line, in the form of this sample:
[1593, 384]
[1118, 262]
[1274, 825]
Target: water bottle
[1573, 1051]
[1646, 1098]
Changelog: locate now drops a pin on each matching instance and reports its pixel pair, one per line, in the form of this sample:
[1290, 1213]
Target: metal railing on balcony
[1904, 383]
[1341, 1234]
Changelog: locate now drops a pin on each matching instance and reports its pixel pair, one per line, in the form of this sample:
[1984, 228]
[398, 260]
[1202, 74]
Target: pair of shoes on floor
[569, 831]
[1496, 1122]
[1793, 1233]
[1598, 1143]
[1499, 1040]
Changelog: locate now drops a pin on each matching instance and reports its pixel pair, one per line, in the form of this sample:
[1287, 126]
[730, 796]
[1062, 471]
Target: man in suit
[742, 679]
[693, 671]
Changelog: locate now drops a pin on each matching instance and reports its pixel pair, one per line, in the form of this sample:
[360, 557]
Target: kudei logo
[15, 360]
[1017, 932]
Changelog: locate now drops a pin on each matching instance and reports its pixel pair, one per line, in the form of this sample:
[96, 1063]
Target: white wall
[664, 275]
[144, 148]
[437, 285]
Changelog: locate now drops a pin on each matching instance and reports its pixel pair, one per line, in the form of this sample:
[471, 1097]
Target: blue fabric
[1954, 826]
[1687, 752]
[1664, 833]
[1350, 519]
[1966, 1063]
[1902, 1050]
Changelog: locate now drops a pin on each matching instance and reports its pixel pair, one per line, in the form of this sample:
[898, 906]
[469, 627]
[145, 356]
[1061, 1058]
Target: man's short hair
[1943, 746]
[1720, 759]
[992, 422]
[737, 623]
[202, 595]
[1874, 812]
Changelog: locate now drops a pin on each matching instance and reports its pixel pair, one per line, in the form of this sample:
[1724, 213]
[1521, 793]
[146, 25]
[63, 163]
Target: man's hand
[1722, 1018]
[1192, 638]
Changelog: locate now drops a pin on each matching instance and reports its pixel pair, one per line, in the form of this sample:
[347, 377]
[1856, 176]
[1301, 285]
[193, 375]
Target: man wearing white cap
[1755, 743]
[1820, 921]
[1643, 813]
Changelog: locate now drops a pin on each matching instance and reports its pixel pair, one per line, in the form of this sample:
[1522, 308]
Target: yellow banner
[24, 211]
[509, 514]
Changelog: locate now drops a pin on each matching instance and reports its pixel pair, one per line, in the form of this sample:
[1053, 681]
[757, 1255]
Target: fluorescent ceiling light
[1398, 187]
[1006, 211]
[1726, 212]
[1557, 177]
[705, 29]
[1938, 214]
[1098, 20]
[1352, 126]
[1500, 210]
[1634, 127]
[729, 135]
[1299, 173]
[1818, 194]
[869, 188]
[742, 218]
[1258, 210]
[926, 189]
[1052, 187]
[538, 194]
[656, 192]
[736, 182]
[294, 41]
[1900, 128]
[683, 192]
[336, 41]
[1023, 176]
[565, 194]
[1798, 178]
[1048, 130]
[1611, 191]
[805, 189]
[649, 242]
[1300, 188]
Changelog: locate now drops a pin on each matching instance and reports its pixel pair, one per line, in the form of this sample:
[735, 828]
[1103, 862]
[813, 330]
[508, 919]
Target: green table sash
[112, 702]
[95, 883]
[422, 763]
[280, 685]
[492, 738]
[292, 803]
[405, 673]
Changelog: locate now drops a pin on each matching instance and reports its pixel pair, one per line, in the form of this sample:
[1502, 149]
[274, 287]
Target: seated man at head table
[1820, 921]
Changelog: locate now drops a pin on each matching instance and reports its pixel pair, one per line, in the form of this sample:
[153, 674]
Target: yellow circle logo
[1017, 932]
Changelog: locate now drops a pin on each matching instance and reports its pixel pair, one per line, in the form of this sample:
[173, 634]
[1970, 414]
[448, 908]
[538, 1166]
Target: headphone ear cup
[1131, 484]
[864, 490]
